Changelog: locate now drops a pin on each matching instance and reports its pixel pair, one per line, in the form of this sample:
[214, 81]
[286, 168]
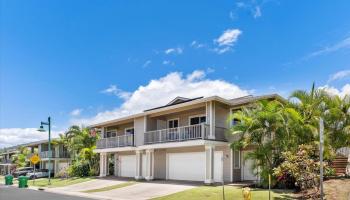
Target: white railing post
[106, 143]
[203, 131]
[160, 135]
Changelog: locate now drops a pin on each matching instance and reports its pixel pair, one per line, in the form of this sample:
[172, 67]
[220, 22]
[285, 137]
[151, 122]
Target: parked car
[40, 173]
[22, 171]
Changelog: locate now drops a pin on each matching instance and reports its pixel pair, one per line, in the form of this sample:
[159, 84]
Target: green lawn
[57, 182]
[112, 187]
[231, 192]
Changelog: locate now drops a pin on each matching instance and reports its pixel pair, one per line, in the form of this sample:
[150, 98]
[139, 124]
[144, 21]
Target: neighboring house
[6, 160]
[183, 140]
[60, 158]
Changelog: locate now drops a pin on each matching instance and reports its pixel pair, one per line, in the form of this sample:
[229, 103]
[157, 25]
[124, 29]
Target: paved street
[14, 193]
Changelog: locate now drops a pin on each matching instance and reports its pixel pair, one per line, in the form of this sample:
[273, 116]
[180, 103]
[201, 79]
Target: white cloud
[257, 12]
[253, 7]
[345, 90]
[177, 50]
[15, 136]
[226, 40]
[160, 91]
[114, 90]
[76, 112]
[343, 44]
[168, 62]
[339, 75]
[221, 50]
[148, 62]
[228, 37]
[196, 45]
[210, 70]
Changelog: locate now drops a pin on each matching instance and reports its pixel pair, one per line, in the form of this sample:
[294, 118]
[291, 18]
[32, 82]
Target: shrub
[303, 167]
[79, 169]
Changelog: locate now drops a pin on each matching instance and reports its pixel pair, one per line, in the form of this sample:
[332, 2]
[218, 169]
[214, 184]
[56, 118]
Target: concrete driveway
[138, 191]
[89, 185]
[146, 190]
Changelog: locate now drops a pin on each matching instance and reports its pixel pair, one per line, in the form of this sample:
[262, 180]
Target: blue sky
[82, 61]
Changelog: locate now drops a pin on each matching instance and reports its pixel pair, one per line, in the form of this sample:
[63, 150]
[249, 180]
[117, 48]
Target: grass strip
[112, 187]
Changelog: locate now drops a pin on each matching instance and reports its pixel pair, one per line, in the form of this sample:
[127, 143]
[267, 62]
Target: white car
[41, 173]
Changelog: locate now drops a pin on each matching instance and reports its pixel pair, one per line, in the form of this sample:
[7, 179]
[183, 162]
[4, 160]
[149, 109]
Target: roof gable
[177, 100]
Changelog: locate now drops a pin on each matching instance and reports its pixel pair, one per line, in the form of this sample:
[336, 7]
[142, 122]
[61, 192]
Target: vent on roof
[177, 100]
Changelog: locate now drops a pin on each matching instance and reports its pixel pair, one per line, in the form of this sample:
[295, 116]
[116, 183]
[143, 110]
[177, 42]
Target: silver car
[41, 173]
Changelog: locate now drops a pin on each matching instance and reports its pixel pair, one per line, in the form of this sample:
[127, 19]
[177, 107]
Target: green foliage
[20, 159]
[303, 166]
[81, 145]
[274, 128]
[79, 169]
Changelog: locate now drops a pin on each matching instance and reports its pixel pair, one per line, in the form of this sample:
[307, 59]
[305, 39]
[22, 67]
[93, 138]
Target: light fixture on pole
[41, 129]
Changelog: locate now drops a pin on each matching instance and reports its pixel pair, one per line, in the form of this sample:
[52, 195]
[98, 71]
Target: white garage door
[191, 166]
[128, 166]
[186, 166]
[248, 173]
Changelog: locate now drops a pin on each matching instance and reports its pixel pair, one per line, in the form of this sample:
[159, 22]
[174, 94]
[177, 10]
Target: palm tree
[263, 125]
[81, 145]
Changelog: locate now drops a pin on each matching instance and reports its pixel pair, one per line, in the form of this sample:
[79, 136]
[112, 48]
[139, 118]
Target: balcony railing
[183, 133]
[45, 154]
[118, 141]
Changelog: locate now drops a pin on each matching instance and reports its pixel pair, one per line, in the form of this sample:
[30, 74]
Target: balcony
[118, 141]
[45, 154]
[184, 133]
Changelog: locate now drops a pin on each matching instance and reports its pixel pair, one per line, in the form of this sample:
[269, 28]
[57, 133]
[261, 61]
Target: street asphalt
[14, 193]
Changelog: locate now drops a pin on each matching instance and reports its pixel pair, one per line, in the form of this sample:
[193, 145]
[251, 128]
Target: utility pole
[321, 157]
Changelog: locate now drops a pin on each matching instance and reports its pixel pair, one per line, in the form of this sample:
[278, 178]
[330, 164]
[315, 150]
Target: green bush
[79, 169]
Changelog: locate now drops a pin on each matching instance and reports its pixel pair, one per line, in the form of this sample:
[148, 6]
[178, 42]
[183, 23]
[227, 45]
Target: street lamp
[41, 129]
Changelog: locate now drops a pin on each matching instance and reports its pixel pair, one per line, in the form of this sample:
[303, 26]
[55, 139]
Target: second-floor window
[109, 134]
[173, 123]
[129, 131]
[197, 120]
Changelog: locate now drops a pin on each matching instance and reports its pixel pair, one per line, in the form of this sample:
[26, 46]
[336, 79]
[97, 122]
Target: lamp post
[41, 129]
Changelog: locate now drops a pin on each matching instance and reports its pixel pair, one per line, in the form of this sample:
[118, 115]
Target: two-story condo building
[60, 158]
[184, 140]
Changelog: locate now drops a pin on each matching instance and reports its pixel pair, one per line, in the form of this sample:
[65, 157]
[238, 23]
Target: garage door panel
[186, 166]
[128, 166]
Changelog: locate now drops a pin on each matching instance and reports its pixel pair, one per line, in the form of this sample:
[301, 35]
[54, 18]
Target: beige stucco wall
[120, 128]
[221, 114]
[160, 164]
[182, 116]
[227, 161]
[139, 124]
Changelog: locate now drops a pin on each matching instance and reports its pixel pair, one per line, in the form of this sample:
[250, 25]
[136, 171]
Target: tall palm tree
[264, 126]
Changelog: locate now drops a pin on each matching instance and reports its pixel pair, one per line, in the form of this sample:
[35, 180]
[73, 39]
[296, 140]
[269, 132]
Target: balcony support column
[116, 164]
[209, 164]
[103, 164]
[210, 118]
[55, 162]
[138, 165]
[149, 164]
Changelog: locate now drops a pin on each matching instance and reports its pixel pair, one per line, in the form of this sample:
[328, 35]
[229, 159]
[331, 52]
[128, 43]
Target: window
[173, 123]
[197, 120]
[109, 134]
[234, 122]
[129, 131]
[236, 159]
